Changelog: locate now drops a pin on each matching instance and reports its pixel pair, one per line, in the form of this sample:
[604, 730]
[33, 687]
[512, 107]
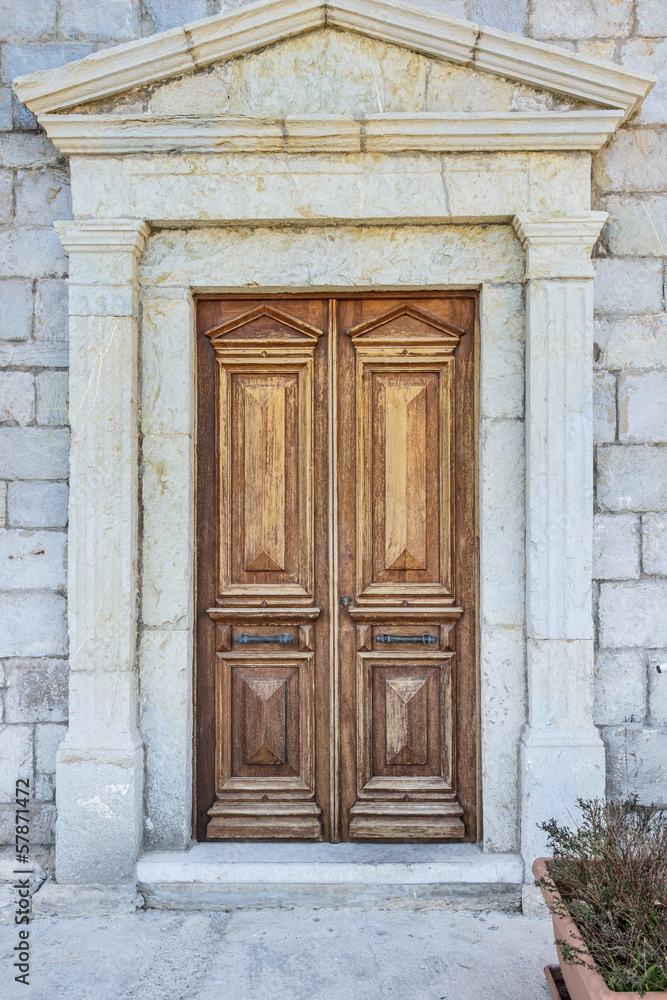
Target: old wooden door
[336, 693]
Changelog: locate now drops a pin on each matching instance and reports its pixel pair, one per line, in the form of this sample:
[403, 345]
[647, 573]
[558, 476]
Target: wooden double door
[336, 680]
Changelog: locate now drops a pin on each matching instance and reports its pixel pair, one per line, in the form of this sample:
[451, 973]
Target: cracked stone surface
[285, 954]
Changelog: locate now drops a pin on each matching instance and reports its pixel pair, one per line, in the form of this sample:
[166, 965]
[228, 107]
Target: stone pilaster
[100, 762]
[562, 753]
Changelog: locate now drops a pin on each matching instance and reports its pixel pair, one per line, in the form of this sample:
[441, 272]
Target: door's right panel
[399, 382]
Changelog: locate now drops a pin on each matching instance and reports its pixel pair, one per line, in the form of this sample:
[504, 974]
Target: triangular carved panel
[264, 323]
[405, 322]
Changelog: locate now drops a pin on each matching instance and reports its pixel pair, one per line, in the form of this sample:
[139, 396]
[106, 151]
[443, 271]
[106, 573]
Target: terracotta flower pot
[582, 981]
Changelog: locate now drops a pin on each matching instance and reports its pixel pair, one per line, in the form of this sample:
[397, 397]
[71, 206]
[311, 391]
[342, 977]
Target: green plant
[611, 873]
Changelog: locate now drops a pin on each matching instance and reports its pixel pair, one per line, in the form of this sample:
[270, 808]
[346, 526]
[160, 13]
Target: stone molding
[104, 236]
[559, 246]
[232, 34]
[431, 132]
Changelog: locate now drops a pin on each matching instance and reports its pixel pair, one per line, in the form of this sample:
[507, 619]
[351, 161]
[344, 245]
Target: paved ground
[297, 954]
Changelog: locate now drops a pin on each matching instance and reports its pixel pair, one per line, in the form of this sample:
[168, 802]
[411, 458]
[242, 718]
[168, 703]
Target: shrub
[611, 872]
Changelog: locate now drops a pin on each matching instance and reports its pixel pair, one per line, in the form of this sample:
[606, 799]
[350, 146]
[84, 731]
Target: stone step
[251, 875]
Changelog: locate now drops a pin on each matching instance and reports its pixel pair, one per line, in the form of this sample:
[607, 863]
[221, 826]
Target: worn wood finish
[336, 456]
[407, 501]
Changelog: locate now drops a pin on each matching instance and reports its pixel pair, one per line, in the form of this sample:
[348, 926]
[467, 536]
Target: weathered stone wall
[630, 182]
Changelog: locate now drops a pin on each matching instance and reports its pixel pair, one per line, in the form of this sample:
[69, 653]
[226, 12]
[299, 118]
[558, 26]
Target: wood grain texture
[337, 455]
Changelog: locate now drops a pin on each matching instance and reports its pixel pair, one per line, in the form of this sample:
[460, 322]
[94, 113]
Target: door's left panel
[263, 682]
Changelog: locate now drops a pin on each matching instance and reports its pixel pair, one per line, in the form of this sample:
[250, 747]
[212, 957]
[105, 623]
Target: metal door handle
[283, 638]
[424, 638]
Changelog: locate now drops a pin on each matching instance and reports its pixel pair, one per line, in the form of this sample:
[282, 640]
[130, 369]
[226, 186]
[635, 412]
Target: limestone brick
[294, 77]
[620, 687]
[616, 547]
[651, 18]
[502, 344]
[200, 90]
[6, 112]
[37, 505]
[654, 544]
[598, 49]
[34, 453]
[42, 823]
[637, 225]
[632, 161]
[21, 150]
[636, 763]
[632, 342]
[51, 310]
[632, 477]
[164, 394]
[455, 88]
[657, 689]
[166, 733]
[16, 757]
[633, 613]
[508, 15]
[15, 24]
[650, 56]
[504, 710]
[21, 58]
[642, 406]
[3, 504]
[15, 309]
[32, 354]
[52, 391]
[32, 253]
[165, 14]
[48, 736]
[573, 19]
[502, 527]
[604, 407]
[36, 690]
[6, 197]
[628, 286]
[106, 19]
[32, 560]
[17, 398]
[41, 197]
[167, 493]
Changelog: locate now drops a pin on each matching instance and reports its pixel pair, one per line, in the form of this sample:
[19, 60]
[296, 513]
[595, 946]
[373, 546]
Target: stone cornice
[559, 246]
[425, 132]
[105, 236]
[226, 36]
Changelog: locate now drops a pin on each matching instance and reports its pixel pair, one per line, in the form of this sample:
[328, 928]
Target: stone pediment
[300, 75]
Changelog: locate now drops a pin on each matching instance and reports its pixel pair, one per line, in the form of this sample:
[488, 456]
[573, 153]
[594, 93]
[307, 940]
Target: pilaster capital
[559, 246]
[104, 236]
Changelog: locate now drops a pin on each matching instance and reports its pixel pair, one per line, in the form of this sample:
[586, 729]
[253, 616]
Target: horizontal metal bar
[283, 638]
[424, 638]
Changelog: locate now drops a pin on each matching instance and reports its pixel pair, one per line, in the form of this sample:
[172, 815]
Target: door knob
[345, 601]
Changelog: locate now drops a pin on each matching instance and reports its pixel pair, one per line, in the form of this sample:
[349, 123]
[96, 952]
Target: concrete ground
[298, 954]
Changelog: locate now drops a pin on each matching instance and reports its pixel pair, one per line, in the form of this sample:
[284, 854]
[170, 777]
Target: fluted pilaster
[562, 753]
[100, 762]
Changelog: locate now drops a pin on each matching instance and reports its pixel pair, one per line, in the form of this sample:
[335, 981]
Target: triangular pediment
[406, 321]
[265, 323]
[302, 75]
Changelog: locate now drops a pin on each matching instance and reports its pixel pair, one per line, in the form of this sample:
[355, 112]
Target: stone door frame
[406, 202]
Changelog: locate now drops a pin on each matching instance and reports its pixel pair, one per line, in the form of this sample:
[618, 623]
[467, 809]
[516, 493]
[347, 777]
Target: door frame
[205, 479]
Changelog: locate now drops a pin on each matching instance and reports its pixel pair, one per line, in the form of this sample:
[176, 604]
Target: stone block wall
[630, 182]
